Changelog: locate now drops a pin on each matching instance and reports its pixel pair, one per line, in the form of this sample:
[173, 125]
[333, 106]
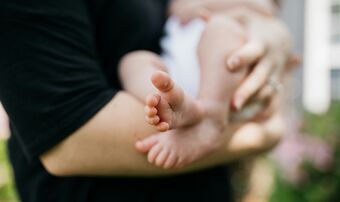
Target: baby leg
[167, 105]
[221, 37]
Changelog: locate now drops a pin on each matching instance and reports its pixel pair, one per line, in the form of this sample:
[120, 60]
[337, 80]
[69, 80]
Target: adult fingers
[265, 93]
[253, 83]
[274, 84]
[248, 55]
[272, 107]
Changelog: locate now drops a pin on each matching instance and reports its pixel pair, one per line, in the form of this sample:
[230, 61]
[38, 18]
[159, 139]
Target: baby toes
[150, 111]
[162, 157]
[152, 100]
[153, 153]
[180, 163]
[162, 126]
[171, 161]
[162, 81]
[153, 120]
[146, 144]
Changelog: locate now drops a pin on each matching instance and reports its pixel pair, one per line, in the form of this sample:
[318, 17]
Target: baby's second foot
[170, 107]
[180, 147]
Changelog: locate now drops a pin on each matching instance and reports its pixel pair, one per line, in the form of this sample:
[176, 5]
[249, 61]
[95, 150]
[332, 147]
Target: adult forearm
[105, 145]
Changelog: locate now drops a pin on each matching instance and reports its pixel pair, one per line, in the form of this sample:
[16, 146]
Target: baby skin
[170, 107]
[221, 37]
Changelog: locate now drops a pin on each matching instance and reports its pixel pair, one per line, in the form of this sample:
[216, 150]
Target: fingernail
[234, 63]
[137, 143]
[239, 100]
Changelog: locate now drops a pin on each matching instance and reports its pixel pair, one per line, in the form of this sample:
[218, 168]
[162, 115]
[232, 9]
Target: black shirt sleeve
[51, 82]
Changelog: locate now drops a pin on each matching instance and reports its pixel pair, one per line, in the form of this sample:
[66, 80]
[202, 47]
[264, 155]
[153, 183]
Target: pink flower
[297, 148]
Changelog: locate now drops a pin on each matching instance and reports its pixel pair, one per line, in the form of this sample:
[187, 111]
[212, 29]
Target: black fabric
[58, 62]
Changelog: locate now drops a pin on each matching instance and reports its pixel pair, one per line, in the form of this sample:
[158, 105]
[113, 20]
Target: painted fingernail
[234, 63]
[239, 100]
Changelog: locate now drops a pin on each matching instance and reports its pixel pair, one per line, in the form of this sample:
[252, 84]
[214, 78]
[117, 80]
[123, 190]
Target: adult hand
[269, 100]
[266, 54]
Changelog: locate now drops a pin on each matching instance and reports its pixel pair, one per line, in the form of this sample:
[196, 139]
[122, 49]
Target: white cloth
[179, 46]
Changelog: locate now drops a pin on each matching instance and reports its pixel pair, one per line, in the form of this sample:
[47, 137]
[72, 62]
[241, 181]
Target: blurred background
[305, 167]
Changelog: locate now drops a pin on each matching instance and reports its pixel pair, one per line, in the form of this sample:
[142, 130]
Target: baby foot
[170, 107]
[177, 148]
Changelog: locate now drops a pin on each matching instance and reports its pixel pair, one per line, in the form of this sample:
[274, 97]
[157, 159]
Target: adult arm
[61, 106]
[105, 145]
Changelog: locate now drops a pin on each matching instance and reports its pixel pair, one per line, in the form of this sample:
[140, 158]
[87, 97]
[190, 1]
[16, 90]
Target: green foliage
[326, 125]
[7, 190]
[319, 186]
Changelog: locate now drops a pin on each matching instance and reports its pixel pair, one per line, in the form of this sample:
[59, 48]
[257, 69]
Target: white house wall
[317, 56]
[335, 56]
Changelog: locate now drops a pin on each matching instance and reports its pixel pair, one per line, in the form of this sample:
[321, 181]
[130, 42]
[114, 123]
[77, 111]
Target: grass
[7, 190]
